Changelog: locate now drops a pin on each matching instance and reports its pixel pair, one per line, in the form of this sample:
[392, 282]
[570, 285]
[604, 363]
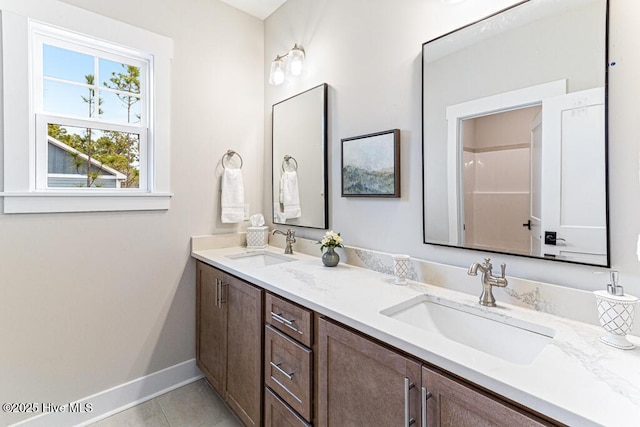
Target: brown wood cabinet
[358, 381]
[451, 403]
[211, 326]
[229, 340]
[361, 383]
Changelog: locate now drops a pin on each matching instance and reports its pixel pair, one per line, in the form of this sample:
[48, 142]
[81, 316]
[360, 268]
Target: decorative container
[257, 237]
[616, 317]
[330, 258]
[401, 268]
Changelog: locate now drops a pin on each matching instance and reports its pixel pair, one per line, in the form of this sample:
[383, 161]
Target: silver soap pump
[614, 288]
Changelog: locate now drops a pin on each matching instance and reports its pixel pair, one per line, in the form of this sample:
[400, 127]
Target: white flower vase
[616, 317]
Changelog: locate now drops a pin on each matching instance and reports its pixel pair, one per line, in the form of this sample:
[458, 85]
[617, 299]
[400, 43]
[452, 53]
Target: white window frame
[25, 187]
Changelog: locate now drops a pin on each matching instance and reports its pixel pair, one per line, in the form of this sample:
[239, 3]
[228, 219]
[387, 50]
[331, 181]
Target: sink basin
[510, 339]
[260, 258]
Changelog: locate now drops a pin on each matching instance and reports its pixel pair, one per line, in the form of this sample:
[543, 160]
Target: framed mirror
[299, 161]
[514, 133]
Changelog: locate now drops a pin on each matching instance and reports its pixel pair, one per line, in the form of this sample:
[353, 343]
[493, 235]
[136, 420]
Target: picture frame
[371, 165]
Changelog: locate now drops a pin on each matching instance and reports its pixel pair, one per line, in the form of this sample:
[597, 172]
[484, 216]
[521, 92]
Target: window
[91, 108]
[88, 127]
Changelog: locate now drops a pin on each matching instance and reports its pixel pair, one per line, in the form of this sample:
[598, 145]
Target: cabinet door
[454, 404]
[211, 326]
[361, 383]
[244, 349]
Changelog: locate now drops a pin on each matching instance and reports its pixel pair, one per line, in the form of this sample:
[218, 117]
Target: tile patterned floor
[193, 405]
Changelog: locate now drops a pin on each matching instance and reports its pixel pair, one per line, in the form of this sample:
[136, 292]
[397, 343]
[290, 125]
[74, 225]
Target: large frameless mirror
[300, 160]
[514, 133]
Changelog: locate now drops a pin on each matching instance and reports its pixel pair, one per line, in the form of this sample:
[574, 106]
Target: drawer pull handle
[220, 285]
[218, 293]
[426, 395]
[289, 323]
[408, 420]
[282, 371]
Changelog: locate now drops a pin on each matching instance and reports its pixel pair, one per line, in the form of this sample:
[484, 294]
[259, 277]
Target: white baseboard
[119, 398]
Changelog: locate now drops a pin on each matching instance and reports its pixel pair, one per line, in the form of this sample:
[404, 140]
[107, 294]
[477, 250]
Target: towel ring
[230, 153]
[288, 158]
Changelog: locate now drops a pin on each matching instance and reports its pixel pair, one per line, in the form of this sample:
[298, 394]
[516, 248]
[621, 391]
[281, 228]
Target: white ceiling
[258, 8]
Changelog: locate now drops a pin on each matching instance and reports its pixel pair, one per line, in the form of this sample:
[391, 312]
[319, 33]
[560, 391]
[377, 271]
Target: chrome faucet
[488, 280]
[291, 238]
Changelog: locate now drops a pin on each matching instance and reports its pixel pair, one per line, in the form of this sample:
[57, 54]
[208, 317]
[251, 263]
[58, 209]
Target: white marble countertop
[576, 379]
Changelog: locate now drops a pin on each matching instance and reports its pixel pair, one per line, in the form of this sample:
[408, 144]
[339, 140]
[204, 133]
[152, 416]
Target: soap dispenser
[615, 311]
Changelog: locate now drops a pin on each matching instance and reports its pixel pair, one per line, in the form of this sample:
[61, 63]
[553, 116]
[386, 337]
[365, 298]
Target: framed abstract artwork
[371, 165]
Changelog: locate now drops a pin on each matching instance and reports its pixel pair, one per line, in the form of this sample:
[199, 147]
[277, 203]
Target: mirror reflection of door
[574, 179]
[515, 189]
[500, 179]
[535, 215]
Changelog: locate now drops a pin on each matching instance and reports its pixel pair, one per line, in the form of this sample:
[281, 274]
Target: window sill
[50, 202]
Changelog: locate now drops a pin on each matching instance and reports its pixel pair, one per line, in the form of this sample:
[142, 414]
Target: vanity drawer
[279, 414]
[289, 318]
[287, 370]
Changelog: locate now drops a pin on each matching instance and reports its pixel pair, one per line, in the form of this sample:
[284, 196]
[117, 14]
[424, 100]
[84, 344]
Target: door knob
[527, 224]
[551, 238]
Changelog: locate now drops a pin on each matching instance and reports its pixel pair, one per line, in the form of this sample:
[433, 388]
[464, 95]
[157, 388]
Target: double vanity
[346, 346]
[287, 341]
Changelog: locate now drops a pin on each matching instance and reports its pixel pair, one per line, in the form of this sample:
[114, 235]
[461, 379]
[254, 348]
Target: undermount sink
[260, 258]
[510, 339]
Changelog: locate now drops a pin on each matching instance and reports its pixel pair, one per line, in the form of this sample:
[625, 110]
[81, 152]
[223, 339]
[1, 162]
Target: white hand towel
[290, 195]
[232, 197]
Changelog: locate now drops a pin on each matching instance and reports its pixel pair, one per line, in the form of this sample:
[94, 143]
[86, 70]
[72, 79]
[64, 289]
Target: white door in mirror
[574, 177]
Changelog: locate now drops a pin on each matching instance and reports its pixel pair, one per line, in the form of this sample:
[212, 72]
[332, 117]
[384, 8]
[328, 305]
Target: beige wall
[369, 54]
[500, 129]
[90, 301]
[497, 194]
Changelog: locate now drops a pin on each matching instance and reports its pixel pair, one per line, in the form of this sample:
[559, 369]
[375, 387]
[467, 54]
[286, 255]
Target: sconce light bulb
[276, 73]
[296, 68]
[296, 61]
[278, 77]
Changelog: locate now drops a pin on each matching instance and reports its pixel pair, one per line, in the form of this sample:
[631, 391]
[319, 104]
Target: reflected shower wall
[497, 199]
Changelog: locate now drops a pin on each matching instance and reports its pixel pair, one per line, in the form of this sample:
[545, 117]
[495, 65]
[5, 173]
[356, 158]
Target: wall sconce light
[291, 64]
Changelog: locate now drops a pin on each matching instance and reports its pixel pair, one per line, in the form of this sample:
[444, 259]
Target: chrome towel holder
[287, 159]
[228, 154]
